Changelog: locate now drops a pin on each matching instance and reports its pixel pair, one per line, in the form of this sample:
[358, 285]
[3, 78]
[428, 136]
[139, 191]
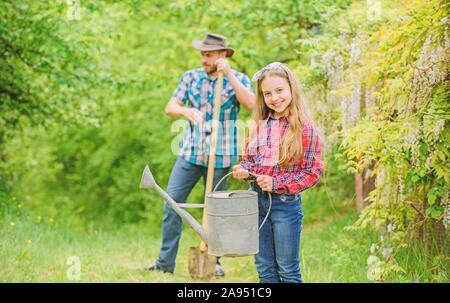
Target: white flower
[373, 248]
[386, 252]
[390, 227]
[372, 260]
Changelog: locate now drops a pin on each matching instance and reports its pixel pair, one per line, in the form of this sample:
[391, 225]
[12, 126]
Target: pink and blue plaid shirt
[261, 156]
[198, 90]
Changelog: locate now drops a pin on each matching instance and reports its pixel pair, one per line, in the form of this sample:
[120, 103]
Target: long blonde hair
[290, 149]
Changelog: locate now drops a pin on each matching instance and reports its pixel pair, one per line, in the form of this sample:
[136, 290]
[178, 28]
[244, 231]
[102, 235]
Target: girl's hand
[265, 182]
[240, 173]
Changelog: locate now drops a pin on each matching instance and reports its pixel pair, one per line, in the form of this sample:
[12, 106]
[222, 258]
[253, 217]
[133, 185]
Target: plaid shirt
[261, 156]
[199, 89]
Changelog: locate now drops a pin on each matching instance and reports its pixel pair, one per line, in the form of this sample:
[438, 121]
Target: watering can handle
[252, 176]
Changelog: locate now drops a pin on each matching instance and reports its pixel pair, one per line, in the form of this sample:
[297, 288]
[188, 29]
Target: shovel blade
[201, 265]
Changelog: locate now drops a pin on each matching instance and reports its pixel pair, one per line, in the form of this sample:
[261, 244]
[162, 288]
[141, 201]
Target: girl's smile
[277, 94]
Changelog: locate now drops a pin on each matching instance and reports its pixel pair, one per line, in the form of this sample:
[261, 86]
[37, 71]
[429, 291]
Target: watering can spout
[147, 181]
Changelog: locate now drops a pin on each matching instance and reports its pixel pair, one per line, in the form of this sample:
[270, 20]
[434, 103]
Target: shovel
[200, 264]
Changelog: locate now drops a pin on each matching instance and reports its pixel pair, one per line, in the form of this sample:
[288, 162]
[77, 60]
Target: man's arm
[176, 109]
[243, 94]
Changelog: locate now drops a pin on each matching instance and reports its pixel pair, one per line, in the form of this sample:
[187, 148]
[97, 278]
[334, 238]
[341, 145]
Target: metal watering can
[232, 218]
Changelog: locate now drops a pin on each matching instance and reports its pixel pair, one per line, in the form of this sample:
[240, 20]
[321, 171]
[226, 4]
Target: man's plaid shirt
[199, 89]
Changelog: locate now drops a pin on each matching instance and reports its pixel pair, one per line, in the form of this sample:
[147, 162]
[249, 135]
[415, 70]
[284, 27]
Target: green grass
[41, 252]
[32, 251]
[104, 256]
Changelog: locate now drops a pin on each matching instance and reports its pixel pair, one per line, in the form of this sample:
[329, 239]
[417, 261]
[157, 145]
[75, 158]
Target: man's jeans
[182, 180]
[279, 238]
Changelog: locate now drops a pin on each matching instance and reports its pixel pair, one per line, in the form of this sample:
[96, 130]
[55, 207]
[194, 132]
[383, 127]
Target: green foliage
[53, 74]
[405, 135]
[49, 63]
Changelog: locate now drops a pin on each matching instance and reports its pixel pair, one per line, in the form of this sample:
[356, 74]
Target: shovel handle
[215, 131]
[212, 148]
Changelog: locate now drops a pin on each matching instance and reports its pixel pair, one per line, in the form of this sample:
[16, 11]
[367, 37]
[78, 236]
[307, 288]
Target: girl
[284, 151]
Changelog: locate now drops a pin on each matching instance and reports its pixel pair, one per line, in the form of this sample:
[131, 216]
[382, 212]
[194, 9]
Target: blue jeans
[279, 238]
[182, 180]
